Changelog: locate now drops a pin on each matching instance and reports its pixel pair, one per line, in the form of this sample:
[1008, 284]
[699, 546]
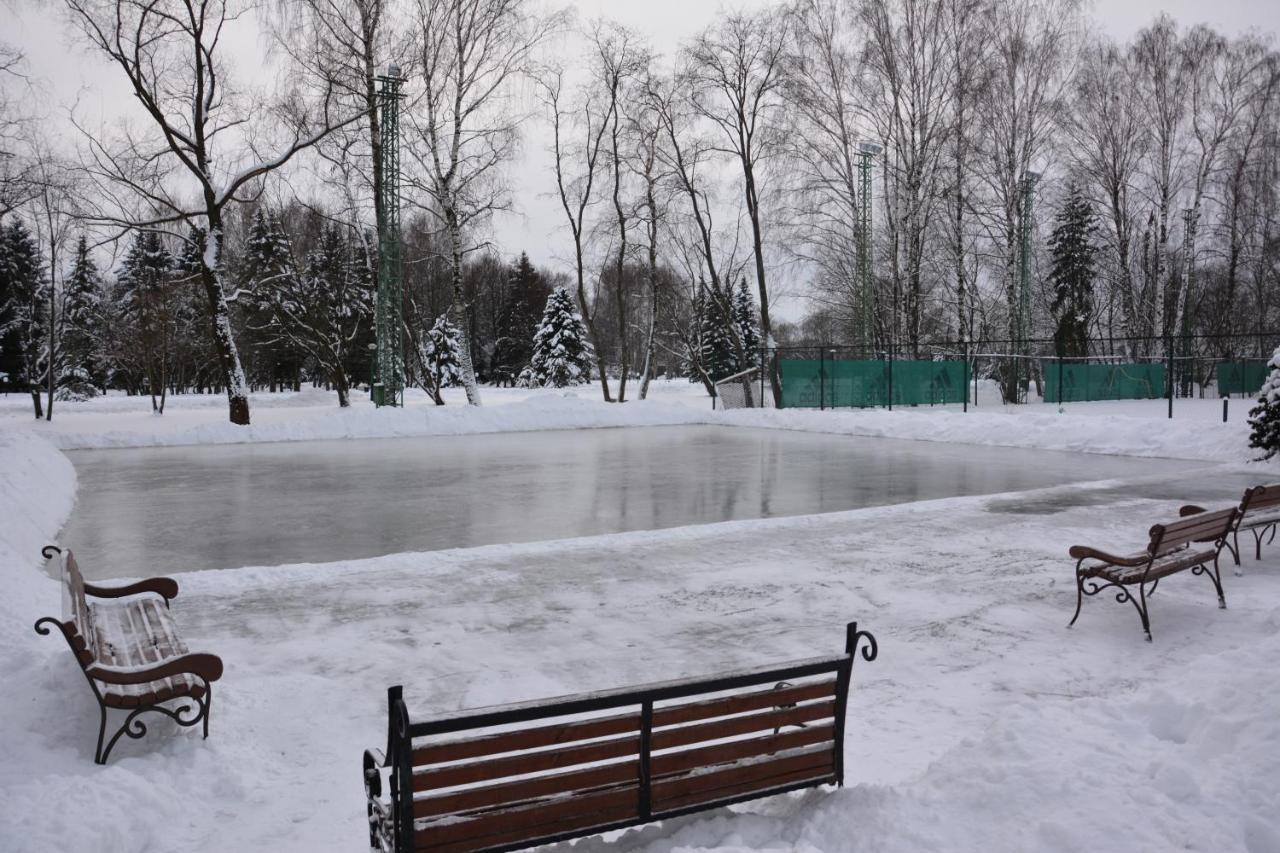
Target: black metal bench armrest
[1084, 552]
[1190, 509]
[166, 588]
[204, 665]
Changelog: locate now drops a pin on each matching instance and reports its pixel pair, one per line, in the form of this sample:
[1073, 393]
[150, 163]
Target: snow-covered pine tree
[1071, 274]
[747, 321]
[716, 352]
[80, 372]
[144, 300]
[440, 358]
[24, 301]
[517, 321]
[267, 269]
[1264, 418]
[562, 353]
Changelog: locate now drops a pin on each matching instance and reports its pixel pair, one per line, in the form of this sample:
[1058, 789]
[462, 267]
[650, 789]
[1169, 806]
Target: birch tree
[466, 122]
[194, 156]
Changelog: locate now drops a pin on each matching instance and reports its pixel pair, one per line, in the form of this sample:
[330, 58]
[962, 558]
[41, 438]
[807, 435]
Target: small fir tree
[80, 373]
[716, 351]
[1264, 418]
[24, 311]
[440, 357]
[1071, 275]
[517, 321]
[561, 352]
[747, 321]
[144, 299]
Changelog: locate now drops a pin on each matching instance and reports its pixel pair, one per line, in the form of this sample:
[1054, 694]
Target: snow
[985, 725]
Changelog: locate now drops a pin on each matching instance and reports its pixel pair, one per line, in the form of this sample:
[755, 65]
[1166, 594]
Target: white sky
[64, 73]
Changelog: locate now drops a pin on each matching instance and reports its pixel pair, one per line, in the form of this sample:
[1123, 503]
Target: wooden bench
[129, 649]
[1191, 543]
[1259, 513]
[531, 774]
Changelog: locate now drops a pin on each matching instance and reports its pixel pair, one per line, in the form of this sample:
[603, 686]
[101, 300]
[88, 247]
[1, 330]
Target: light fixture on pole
[1029, 180]
[866, 296]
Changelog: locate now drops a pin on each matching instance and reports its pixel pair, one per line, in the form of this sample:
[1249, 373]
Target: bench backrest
[1261, 498]
[1202, 527]
[75, 611]
[579, 765]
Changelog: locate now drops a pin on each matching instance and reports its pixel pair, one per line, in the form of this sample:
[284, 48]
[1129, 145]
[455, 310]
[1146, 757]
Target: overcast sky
[61, 69]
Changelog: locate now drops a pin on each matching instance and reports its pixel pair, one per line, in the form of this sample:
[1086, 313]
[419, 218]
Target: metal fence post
[1169, 347]
[822, 379]
[1059, 381]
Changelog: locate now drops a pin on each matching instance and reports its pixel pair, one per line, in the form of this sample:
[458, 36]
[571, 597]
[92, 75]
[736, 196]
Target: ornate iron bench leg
[208, 706]
[1079, 594]
[98, 756]
[1214, 576]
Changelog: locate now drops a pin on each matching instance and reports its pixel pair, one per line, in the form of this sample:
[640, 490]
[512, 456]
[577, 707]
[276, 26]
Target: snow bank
[1185, 768]
[535, 413]
[37, 491]
[1080, 428]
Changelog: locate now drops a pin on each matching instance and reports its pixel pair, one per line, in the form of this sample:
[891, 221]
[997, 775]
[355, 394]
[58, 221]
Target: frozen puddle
[174, 509]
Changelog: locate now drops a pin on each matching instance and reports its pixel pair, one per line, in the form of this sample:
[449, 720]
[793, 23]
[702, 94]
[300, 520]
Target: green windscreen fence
[1241, 377]
[810, 383]
[1084, 382]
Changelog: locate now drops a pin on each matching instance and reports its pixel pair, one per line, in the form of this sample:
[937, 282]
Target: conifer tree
[561, 352]
[144, 295]
[23, 310]
[1071, 275]
[268, 268]
[747, 321]
[439, 358]
[716, 351]
[1264, 418]
[518, 318]
[80, 358]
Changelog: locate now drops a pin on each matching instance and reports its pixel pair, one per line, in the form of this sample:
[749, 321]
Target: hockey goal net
[743, 390]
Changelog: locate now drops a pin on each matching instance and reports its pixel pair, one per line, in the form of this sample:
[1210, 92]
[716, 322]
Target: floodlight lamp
[870, 148]
[394, 72]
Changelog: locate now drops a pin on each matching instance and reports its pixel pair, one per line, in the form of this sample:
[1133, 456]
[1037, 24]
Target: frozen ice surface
[186, 508]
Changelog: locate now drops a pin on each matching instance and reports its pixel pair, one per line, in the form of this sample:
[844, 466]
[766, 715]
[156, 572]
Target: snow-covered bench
[574, 766]
[129, 648]
[1259, 514]
[1191, 543]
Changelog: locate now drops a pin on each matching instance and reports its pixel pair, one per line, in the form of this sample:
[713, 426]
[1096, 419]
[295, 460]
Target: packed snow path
[986, 725]
[185, 508]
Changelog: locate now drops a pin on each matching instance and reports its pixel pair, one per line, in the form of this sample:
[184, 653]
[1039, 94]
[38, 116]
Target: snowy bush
[1265, 417]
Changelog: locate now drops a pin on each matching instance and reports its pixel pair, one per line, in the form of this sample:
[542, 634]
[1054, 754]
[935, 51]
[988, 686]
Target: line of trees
[696, 190]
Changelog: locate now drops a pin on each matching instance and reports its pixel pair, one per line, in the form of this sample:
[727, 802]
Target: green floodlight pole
[389, 388]
[866, 153]
[1024, 276]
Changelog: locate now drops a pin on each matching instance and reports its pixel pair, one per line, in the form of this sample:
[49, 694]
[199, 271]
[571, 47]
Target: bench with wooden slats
[524, 775]
[128, 646]
[1259, 513]
[1192, 543]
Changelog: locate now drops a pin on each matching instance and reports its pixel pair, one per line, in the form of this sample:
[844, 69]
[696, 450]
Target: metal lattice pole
[389, 389]
[1189, 221]
[866, 293]
[1024, 281]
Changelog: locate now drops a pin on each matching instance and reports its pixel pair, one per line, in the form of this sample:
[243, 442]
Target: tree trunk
[461, 313]
[220, 319]
[757, 243]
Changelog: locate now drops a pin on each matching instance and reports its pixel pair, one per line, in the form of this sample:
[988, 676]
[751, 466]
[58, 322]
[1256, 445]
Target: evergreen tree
[716, 351]
[440, 358]
[24, 309]
[561, 352]
[1264, 418]
[268, 268]
[145, 312]
[517, 321]
[80, 371]
[747, 321]
[1071, 275]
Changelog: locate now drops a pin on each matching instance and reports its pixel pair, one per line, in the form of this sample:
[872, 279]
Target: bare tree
[736, 70]
[591, 119]
[467, 120]
[908, 83]
[169, 54]
[1109, 138]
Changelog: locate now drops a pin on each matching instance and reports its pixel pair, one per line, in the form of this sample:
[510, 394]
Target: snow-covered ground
[1130, 427]
[986, 725]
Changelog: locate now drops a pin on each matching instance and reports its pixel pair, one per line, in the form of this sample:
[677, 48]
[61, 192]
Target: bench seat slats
[512, 793]
[525, 763]
[139, 632]
[742, 778]
[1161, 567]
[673, 763]
[540, 820]
[748, 724]
[532, 738]
[754, 701]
